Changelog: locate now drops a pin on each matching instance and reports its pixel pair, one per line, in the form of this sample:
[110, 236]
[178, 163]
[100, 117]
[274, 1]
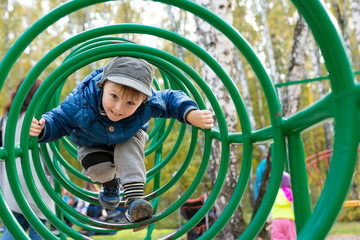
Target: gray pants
[128, 161]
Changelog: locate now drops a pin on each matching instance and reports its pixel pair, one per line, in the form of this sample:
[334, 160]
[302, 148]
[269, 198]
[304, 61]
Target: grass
[339, 228]
[345, 228]
[129, 235]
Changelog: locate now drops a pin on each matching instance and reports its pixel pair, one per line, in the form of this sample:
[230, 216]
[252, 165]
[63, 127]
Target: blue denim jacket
[81, 116]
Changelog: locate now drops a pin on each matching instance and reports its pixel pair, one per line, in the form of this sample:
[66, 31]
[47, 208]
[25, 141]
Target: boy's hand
[200, 118]
[36, 127]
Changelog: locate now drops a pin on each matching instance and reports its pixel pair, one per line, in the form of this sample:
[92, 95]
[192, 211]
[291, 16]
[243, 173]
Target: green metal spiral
[342, 104]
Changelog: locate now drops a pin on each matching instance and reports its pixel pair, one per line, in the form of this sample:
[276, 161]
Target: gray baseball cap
[132, 72]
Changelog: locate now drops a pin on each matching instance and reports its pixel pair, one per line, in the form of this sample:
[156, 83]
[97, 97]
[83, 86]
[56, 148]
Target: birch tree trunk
[271, 60]
[5, 6]
[71, 32]
[6, 25]
[343, 23]
[222, 49]
[315, 60]
[240, 78]
[355, 11]
[268, 46]
[345, 28]
[291, 98]
[88, 25]
[175, 29]
[261, 109]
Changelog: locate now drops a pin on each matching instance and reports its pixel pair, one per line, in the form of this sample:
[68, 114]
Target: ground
[343, 237]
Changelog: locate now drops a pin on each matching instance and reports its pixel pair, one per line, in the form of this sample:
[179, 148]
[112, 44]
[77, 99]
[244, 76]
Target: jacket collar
[100, 106]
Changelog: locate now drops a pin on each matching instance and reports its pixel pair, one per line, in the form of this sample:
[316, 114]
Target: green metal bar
[310, 116]
[171, 154]
[3, 153]
[32, 32]
[299, 181]
[222, 135]
[158, 143]
[157, 178]
[75, 194]
[95, 43]
[187, 194]
[66, 165]
[306, 81]
[327, 35]
[14, 178]
[9, 220]
[283, 84]
[37, 197]
[237, 194]
[65, 141]
[85, 226]
[70, 63]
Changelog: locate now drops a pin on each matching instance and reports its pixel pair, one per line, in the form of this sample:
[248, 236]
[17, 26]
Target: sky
[153, 14]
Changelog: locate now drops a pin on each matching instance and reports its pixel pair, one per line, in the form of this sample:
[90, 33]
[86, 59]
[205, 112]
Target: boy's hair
[128, 91]
[128, 71]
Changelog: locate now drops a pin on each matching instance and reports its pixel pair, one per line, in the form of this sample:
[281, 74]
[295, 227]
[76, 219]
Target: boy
[107, 116]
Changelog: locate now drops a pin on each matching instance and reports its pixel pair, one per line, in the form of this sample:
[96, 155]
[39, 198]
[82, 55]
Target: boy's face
[119, 104]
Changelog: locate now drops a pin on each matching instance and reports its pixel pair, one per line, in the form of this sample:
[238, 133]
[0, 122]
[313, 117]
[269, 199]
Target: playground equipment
[342, 104]
[313, 167]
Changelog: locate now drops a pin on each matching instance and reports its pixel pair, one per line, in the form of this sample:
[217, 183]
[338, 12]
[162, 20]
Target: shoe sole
[141, 210]
[108, 205]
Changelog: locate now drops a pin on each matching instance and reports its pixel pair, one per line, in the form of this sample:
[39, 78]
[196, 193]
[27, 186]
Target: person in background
[259, 173]
[282, 213]
[4, 182]
[71, 200]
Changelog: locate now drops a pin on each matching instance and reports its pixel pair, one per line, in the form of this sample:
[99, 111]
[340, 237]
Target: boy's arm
[61, 120]
[200, 118]
[180, 106]
[57, 123]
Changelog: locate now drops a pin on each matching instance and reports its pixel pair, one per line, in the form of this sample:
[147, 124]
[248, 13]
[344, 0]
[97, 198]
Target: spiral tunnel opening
[97, 44]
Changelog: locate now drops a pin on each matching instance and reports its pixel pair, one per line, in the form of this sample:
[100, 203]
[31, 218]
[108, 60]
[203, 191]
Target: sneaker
[109, 196]
[138, 209]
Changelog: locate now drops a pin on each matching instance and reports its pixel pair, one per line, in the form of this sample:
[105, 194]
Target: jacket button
[163, 105]
[111, 129]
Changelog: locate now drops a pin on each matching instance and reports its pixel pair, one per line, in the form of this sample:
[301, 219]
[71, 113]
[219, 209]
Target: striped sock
[133, 190]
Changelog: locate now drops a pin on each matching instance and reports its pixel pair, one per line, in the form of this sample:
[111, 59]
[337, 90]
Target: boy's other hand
[200, 118]
[36, 127]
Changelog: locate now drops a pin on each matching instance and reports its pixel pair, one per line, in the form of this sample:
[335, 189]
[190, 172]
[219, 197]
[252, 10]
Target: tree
[355, 10]
[291, 97]
[317, 69]
[222, 49]
[264, 234]
[180, 51]
[268, 42]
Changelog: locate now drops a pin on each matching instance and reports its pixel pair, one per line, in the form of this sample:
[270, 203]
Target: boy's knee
[96, 158]
[99, 166]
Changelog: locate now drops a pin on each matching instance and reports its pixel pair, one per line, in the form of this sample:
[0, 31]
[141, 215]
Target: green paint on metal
[342, 104]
